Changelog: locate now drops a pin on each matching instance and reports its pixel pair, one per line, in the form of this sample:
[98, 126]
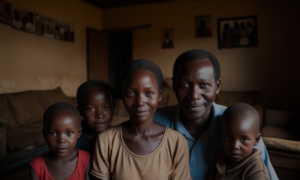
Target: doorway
[119, 53]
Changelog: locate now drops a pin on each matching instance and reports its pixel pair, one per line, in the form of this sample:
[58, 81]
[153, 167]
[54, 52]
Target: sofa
[21, 114]
[282, 139]
[21, 137]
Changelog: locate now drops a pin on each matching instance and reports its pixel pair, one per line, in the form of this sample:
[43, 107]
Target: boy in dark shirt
[96, 105]
[240, 132]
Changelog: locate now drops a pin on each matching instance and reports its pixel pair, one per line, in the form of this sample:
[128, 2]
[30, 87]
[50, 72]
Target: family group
[194, 140]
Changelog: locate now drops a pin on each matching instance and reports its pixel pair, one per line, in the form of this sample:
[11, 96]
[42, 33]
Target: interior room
[37, 70]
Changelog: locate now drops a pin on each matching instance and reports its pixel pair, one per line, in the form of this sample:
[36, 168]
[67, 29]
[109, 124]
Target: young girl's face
[141, 95]
[97, 110]
[62, 132]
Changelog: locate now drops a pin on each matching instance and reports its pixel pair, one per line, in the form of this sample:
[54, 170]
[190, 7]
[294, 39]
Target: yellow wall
[31, 62]
[269, 68]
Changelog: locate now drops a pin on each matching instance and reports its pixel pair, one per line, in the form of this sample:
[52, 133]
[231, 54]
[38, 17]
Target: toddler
[240, 132]
[61, 130]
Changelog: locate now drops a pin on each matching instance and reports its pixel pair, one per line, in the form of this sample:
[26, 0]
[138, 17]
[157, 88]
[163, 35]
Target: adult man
[196, 81]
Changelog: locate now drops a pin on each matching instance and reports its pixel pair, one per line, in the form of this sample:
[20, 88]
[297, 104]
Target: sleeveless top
[39, 166]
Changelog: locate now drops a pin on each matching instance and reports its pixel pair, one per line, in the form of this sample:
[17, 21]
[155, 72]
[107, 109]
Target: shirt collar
[212, 130]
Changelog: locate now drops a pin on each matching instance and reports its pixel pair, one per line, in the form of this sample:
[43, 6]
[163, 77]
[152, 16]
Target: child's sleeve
[182, 164]
[101, 165]
[259, 175]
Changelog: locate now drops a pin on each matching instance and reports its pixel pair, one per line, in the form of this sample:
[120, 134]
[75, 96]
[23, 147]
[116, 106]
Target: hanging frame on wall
[237, 32]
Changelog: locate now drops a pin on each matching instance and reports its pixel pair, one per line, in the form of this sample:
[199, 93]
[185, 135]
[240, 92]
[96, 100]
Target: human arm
[87, 175]
[100, 162]
[33, 175]
[182, 166]
[259, 175]
[265, 157]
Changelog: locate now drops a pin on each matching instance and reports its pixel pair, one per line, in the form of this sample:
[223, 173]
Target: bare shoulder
[33, 175]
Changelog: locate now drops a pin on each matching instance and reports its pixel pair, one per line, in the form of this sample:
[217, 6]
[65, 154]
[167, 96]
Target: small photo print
[64, 31]
[5, 12]
[44, 26]
[167, 38]
[22, 20]
[203, 26]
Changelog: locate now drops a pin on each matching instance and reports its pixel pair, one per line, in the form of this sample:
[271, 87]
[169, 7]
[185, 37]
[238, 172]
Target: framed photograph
[44, 26]
[167, 38]
[22, 20]
[237, 32]
[5, 12]
[64, 31]
[203, 26]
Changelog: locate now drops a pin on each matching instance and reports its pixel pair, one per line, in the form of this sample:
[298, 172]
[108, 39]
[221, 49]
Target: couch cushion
[282, 144]
[47, 98]
[25, 136]
[281, 133]
[5, 112]
[25, 107]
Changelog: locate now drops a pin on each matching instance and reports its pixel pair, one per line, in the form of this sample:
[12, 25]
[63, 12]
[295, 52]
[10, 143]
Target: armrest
[260, 111]
[3, 126]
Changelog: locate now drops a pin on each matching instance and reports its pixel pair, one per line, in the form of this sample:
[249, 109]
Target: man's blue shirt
[203, 151]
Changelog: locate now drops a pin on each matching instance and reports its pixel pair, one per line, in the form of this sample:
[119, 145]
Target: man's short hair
[142, 64]
[59, 107]
[198, 54]
[95, 83]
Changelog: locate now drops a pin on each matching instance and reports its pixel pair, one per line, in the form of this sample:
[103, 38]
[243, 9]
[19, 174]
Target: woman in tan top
[141, 148]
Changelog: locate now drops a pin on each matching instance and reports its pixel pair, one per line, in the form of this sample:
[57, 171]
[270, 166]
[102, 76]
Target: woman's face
[141, 95]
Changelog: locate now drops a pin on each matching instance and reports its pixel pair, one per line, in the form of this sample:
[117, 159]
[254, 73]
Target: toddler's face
[62, 132]
[141, 95]
[239, 136]
[97, 110]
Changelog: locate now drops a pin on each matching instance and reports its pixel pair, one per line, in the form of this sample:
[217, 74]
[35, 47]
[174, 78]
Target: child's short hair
[142, 64]
[92, 84]
[241, 110]
[58, 107]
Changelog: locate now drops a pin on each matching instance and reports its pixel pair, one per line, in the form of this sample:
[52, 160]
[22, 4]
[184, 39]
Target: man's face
[195, 88]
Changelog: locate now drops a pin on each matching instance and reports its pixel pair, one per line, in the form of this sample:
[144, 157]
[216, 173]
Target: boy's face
[97, 109]
[62, 132]
[239, 136]
[141, 95]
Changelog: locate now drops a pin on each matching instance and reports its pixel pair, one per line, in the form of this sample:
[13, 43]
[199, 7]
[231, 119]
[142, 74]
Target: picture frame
[44, 26]
[64, 31]
[167, 38]
[203, 26]
[22, 20]
[237, 32]
[5, 13]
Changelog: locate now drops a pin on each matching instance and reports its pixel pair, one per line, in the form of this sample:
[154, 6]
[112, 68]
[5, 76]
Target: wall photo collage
[232, 32]
[34, 23]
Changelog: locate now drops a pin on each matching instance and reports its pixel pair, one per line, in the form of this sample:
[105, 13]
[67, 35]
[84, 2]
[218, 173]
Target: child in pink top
[61, 130]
